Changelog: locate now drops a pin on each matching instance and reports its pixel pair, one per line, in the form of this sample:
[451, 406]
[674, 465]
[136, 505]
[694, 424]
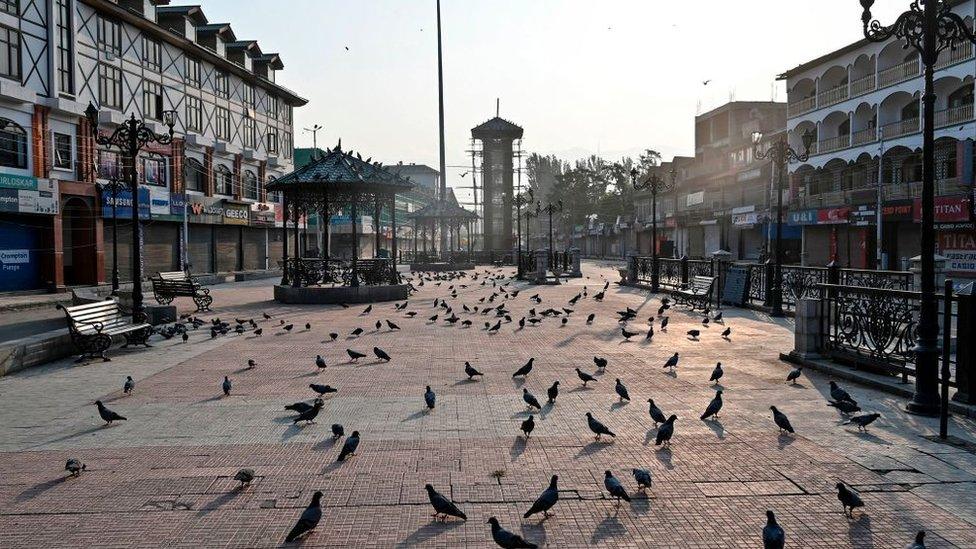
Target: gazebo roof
[443, 209]
[497, 127]
[341, 171]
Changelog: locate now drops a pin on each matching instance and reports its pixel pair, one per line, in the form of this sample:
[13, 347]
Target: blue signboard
[802, 217]
[20, 257]
[123, 206]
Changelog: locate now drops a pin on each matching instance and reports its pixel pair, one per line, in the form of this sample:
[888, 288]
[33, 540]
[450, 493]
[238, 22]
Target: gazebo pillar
[470, 239]
[376, 225]
[355, 247]
[296, 279]
[327, 230]
[393, 244]
[284, 242]
[415, 239]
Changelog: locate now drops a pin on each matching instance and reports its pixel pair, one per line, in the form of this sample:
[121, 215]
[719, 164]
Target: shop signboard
[205, 209]
[898, 210]
[802, 217]
[948, 209]
[833, 216]
[236, 213]
[263, 214]
[864, 215]
[123, 203]
[20, 262]
[694, 199]
[18, 182]
[177, 201]
[159, 201]
[21, 194]
[959, 249]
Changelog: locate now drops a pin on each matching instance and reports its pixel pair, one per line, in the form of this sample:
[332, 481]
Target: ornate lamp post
[550, 209]
[781, 154]
[130, 138]
[929, 27]
[521, 200]
[656, 184]
[114, 185]
[529, 214]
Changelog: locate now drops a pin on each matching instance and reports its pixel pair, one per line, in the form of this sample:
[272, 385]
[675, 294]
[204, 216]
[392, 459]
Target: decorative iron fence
[670, 276]
[526, 264]
[865, 278]
[340, 272]
[801, 282]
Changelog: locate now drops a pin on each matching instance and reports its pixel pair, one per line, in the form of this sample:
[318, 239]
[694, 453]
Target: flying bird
[310, 517]
[442, 505]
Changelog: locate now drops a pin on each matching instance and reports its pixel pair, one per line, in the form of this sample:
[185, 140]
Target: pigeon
[590, 317]
[705, 322]
[726, 333]
[367, 310]
[349, 448]
[521, 323]
[717, 373]
[288, 327]
[656, 414]
[309, 415]
[186, 337]
[524, 370]
[322, 389]
[378, 325]
[507, 540]
[530, 399]
[672, 362]
[251, 364]
[429, 398]
[845, 406]
[128, 386]
[564, 321]
[781, 420]
[299, 407]
[553, 391]
[919, 541]
[226, 385]
[354, 355]
[794, 375]
[650, 332]
[863, 421]
[615, 488]
[693, 334]
[320, 362]
[773, 535]
[381, 354]
[337, 431]
[107, 415]
[496, 327]
[838, 394]
[433, 318]
[597, 427]
[266, 316]
[600, 362]
[627, 335]
[442, 505]
[621, 390]
[470, 371]
[308, 326]
[528, 425]
[599, 296]
[410, 314]
[664, 323]
[391, 325]
[713, 407]
[848, 499]
[717, 317]
[666, 431]
[245, 476]
[258, 332]
[545, 502]
[310, 519]
[643, 478]
[74, 466]
[585, 377]
[356, 332]
[333, 336]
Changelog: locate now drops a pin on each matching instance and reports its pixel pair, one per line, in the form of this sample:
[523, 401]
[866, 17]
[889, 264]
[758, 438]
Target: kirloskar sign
[22, 194]
[948, 209]
[833, 216]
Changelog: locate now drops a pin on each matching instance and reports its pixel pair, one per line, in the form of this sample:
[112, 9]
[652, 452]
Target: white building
[863, 103]
[135, 57]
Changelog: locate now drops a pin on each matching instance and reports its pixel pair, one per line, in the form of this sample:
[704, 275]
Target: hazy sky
[614, 76]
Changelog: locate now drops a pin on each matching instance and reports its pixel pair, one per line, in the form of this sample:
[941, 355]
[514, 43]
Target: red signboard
[830, 216]
[948, 209]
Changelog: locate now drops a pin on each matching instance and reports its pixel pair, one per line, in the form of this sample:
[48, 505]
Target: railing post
[684, 270]
[946, 352]
[541, 265]
[632, 269]
[574, 254]
[770, 275]
[965, 346]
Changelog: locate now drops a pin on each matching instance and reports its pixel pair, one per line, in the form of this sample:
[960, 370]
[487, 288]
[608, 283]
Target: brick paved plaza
[164, 477]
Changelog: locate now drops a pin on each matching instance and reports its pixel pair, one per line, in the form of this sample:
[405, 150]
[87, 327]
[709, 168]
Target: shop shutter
[228, 249]
[161, 247]
[274, 247]
[201, 248]
[124, 247]
[254, 248]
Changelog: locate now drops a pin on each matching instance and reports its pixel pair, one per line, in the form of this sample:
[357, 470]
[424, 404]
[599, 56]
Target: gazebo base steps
[440, 267]
[340, 294]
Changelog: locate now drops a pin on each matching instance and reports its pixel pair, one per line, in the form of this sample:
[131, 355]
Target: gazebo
[338, 181]
[443, 213]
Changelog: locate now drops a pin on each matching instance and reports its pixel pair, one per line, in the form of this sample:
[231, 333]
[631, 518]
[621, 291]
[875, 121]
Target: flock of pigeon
[495, 308]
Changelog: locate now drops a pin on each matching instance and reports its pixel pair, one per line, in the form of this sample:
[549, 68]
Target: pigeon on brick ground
[862, 421]
[794, 375]
[848, 499]
[323, 389]
[107, 415]
[585, 377]
[507, 540]
[919, 542]
[128, 386]
[598, 428]
[528, 426]
[615, 488]
[546, 500]
[442, 505]
[381, 354]
[429, 398]
[672, 362]
[621, 390]
[310, 415]
[524, 370]
[245, 476]
[717, 373]
[600, 362]
[350, 446]
[310, 519]
[845, 406]
[354, 355]
[781, 420]
[337, 431]
[300, 407]
[643, 478]
[714, 407]
[838, 394]
[665, 432]
[74, 466]
[553, 391]
[530, 399]
[226, 386]
[656, 414]
[470, 371]
[773, 535]
[320, 362]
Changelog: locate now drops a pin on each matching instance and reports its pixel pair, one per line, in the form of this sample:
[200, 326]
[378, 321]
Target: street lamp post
[929, 27]
[529, 214]
[656, 184]
[521, 200]
[130, 137]
[781, 155]
[550, 209]
[114, 185]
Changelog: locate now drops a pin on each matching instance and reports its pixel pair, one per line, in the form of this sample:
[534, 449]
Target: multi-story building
[135, 58]
[863, 104]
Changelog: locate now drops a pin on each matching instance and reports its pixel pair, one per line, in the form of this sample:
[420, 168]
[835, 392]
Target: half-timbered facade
[137, 58]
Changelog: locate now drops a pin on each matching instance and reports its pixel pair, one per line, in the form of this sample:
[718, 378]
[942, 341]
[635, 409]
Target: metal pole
[284, 241]
[655, 280]
[440, 110]
[137, 305]
[946, 347]
[777, 286]
[355, 248]
[186, 236]
[879, 235]
[115, 239]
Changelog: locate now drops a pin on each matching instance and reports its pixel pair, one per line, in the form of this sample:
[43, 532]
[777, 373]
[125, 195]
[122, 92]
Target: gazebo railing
[339, 272]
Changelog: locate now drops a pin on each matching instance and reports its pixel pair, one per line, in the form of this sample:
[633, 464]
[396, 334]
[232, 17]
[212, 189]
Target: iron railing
[340, 272]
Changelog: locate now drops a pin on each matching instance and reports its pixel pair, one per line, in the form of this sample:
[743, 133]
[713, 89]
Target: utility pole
[440, 105]
[314, 130]
[880, 259]
[320, 219]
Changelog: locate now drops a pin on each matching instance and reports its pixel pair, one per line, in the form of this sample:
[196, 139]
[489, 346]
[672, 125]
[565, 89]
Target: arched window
[13, 145]
[910, 110]
[195, 175]
[961, 97]
[225, 180]
[251, 185]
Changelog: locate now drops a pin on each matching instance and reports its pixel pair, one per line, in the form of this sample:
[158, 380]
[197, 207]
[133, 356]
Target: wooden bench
[93, 325]
[167, 286]
[696, 293]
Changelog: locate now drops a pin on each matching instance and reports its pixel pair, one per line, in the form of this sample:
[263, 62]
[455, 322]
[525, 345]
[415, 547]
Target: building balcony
[867, 135]
[954, 115]
[832, 96]
[833, 144]
[801, 106]
[900, 128]
[953, 56]
[864, 85]
[899, 73]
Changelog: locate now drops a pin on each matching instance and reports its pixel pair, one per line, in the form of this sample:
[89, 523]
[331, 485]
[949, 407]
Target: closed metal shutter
[228, 250]
[160, 247]
[124, 247]
[201, 248]
[254, 251]
[274, 247]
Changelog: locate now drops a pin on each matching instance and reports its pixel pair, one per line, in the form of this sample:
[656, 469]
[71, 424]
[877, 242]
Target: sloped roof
[443, 210]
[338, 170]
[497, 127]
